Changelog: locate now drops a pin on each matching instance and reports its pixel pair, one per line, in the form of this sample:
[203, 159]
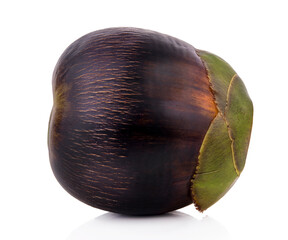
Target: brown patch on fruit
[60, 107]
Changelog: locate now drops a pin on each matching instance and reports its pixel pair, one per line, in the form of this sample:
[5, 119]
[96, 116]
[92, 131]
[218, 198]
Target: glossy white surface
[169, 226]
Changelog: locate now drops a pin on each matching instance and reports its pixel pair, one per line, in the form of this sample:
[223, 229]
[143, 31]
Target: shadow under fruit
[144, 123]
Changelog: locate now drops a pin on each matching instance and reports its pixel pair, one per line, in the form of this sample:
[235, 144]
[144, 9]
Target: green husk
[223, 152]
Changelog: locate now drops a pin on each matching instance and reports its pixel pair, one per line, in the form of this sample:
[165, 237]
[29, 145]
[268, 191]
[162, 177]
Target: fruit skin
[131, 110]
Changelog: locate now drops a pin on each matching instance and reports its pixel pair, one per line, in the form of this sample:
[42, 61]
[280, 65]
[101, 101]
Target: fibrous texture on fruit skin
[136, 116]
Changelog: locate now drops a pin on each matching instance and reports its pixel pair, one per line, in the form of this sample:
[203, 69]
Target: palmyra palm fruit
[144, 123]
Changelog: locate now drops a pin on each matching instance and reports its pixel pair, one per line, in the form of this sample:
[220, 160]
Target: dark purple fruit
[143, 123]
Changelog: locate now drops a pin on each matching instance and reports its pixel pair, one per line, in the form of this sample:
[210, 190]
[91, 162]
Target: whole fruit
[144, 123]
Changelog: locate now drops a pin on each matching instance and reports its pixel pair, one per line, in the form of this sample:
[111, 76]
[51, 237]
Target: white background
[250, 35]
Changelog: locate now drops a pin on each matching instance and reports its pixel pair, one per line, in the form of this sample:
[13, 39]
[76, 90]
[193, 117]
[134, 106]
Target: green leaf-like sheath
[239, 112]
[215, 174]
[223, 152]
[220, 74]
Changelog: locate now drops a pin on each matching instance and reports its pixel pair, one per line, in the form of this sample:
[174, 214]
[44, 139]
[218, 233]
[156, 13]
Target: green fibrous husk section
[223, 152]
[220, 74]
[239, 114]
[215, 172]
